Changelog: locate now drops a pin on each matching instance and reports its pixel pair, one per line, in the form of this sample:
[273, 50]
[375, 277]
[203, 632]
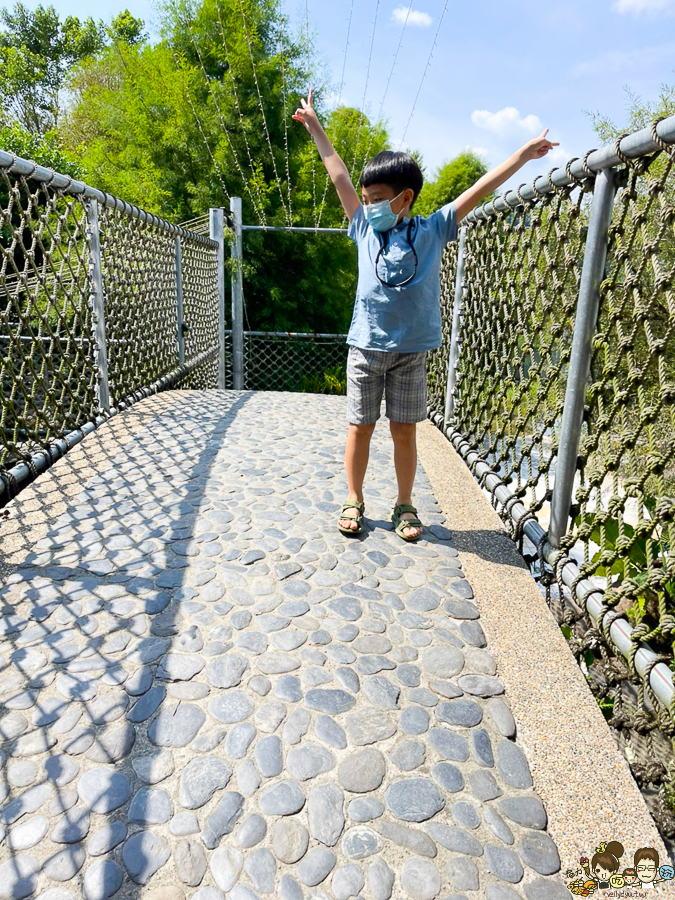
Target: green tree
[37, 52]
[127, 28]
[639, 114]
[132, 130]
[44, 149]
[451, 180]
[206, 114]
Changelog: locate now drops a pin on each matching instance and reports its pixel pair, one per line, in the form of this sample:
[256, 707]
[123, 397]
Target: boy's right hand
[307, 114]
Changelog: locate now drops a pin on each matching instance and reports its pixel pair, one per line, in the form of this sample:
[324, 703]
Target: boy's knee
[402, 428]
[360, 430]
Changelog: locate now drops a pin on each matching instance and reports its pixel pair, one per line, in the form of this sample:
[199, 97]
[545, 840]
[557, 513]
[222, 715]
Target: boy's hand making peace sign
[335, 167]
[307, 115]
[538, 147]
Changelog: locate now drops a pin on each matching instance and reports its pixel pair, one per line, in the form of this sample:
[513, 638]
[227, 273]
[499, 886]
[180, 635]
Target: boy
[396, 317]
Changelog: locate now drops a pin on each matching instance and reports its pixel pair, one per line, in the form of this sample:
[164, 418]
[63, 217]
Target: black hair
[396, 170]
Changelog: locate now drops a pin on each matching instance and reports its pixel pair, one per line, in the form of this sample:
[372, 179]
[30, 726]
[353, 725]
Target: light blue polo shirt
[403, 319]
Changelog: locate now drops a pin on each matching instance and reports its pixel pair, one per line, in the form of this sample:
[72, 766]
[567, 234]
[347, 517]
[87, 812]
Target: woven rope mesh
[437, 360]
[624, 519]
[200, 313]
[521, 279]
[46, 350]
[280, 362]
[521, 284]
[48, 356]
[139, 286]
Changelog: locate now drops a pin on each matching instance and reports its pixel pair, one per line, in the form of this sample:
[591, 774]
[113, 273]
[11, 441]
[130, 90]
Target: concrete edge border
[582, 777]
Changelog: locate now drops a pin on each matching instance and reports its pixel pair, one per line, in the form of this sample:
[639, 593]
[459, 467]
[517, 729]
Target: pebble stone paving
[208, 692]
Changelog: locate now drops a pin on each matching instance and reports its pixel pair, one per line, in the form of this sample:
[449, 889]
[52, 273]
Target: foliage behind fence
[278, 361]
[521, 282]
[50, 365]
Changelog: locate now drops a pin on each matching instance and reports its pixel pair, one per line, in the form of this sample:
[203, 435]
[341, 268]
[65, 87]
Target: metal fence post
[97, 301]
[453, 357]
[237, 297]
[179, 301]
[592, 273]
[216, 230]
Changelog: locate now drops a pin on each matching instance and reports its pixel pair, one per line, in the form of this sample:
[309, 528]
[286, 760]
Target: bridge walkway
[208, 691]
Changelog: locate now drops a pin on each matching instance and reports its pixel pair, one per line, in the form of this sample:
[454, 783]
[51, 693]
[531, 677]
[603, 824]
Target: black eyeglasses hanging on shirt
[385, 243]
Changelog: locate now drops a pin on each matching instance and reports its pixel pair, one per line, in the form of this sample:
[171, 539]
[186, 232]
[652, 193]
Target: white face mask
[380, 216]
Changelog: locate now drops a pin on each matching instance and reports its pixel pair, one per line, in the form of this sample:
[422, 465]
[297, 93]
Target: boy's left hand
[538, 147]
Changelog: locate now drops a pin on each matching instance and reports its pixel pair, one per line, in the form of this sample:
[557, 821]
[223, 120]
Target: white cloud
[506, 121]
[558, 156]
[621, 60]
[415, 17]
[642, 6]
[479, 151]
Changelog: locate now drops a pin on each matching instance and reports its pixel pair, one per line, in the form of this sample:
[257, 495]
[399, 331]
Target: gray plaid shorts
[401, 376]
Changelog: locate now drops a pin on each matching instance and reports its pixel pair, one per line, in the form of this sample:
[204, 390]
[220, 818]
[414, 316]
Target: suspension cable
[365, 91]
[237, 105]
[285, 96]
[386, 87]
[197, 119]
[262, 110]
[257, 204]
[342, 83]
[424, 74]
[310, 72]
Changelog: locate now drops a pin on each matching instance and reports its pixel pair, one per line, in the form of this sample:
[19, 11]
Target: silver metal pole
[216, 226]
[453, 357]
[97, 302]
[179, 301]
[237, 297]
[592, 273]
[620, 631]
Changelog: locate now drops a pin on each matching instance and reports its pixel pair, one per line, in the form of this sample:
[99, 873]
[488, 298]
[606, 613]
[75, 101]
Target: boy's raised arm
[334, 165]
[471, 197]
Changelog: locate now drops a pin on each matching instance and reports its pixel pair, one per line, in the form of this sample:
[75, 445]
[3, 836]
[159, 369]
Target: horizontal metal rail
[294, 228]
[67, 185]
[634, 145]
[22, 474]
[301, 334]
[620, 630]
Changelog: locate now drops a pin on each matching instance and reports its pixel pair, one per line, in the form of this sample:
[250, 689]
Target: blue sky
[500, 72]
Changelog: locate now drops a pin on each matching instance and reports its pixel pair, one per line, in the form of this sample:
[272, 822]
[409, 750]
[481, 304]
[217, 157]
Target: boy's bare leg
[404, 436]
[357, 450]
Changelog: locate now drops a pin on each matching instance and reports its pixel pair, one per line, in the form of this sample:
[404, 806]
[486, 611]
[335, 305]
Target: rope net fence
[46, 355]
[437, 360]
[51, 248]
[522, 278]
[287, 361]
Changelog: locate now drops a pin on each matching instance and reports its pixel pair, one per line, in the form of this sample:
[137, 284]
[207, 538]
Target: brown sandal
[358, 519]
[400, 524]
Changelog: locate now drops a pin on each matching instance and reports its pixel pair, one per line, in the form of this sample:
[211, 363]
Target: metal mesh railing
[139, 279]
[286, 361]
[89, 312]
[522, 275]
[533, 264]
[624, 517]
[46, 362]
[200, 312]
[437, 360]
